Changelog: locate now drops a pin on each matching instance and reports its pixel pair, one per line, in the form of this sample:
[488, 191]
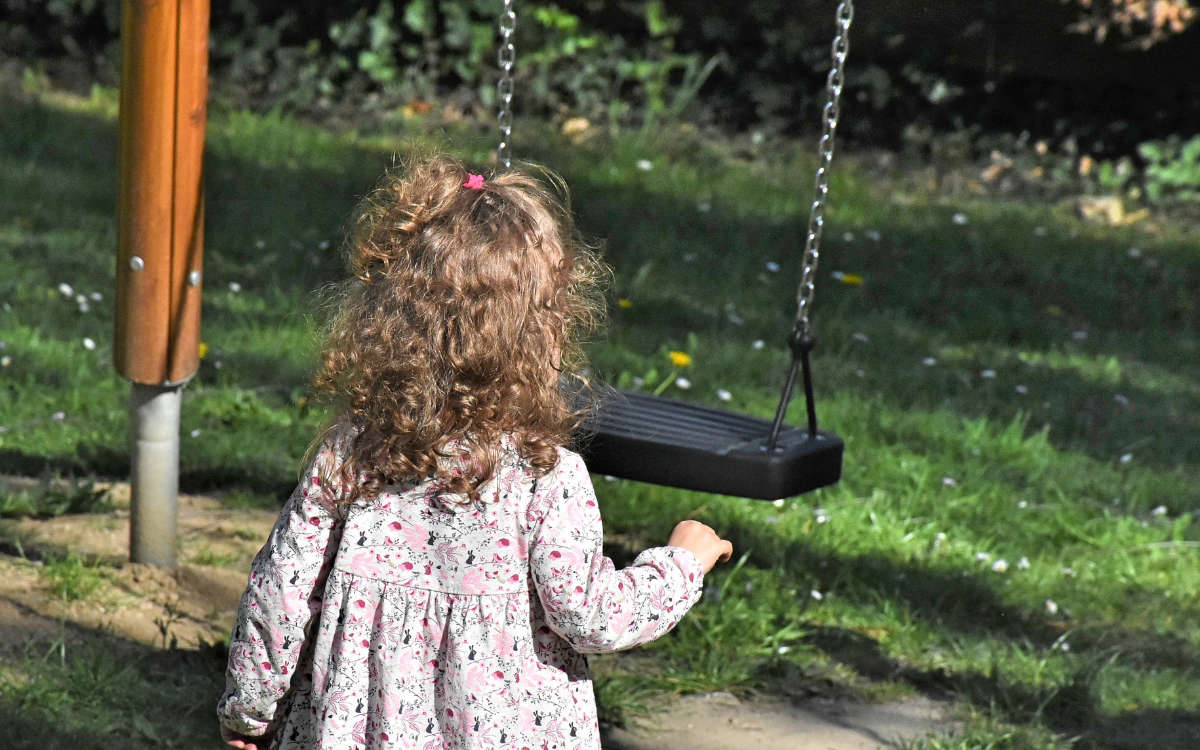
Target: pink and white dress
[414, 621]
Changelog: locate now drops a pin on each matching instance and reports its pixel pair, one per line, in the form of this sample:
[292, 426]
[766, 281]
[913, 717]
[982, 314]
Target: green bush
[1172, 169]
[639, 62]
[757, 64]
[580, 69]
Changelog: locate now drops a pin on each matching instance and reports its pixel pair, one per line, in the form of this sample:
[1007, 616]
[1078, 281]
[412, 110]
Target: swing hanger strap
[506, 57]
[829, 122]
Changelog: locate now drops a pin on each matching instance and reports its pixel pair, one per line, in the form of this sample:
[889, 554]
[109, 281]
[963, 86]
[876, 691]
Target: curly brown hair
[458, 329]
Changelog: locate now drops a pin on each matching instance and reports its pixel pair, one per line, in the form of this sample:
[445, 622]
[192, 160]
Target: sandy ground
[719, 721]
[196, 605]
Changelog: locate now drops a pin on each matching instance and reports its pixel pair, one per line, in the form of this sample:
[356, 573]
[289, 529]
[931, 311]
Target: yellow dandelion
[851, 279]
[624, 303]
[680, 359]
[202, 350]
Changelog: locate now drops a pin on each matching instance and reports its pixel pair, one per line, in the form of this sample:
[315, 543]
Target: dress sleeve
[587, 601]
[286, 584]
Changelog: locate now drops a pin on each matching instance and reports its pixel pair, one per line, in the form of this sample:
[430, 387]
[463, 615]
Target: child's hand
[242, 742]
[702, 542]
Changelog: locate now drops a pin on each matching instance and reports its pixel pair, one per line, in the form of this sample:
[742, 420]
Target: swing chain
[801, 340]
[829, 121]
[506, 57]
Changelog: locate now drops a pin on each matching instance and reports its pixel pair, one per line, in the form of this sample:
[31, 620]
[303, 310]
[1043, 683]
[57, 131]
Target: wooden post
[164, 89]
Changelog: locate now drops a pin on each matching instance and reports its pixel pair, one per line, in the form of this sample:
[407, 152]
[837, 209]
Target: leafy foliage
[1144, 22]
[756, 64]
[1172, 168]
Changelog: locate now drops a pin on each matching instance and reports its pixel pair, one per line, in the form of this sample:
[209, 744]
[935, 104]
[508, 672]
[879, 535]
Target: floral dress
[417, 621]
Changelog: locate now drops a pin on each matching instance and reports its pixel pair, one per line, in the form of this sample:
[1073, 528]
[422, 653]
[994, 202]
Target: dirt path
[719, 721]
[196, 605]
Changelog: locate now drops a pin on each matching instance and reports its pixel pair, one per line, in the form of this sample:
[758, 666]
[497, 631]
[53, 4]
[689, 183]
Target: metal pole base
[154, 445]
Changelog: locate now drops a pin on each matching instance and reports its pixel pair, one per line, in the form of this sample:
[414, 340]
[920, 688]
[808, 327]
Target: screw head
[136, 263]
[194, 278]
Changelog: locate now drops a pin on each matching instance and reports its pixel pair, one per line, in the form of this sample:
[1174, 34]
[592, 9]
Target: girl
[437, 576]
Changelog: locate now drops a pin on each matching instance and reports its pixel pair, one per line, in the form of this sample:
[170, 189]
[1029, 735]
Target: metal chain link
[505, 57]
[829, 122]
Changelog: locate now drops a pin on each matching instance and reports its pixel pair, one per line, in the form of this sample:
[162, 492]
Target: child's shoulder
[569, 464]
[569, 470]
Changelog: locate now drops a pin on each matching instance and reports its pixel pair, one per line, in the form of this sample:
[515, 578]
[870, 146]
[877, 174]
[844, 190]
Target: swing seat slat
[663, 441]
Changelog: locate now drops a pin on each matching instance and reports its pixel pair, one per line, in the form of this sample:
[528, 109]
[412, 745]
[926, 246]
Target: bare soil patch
[188, 607]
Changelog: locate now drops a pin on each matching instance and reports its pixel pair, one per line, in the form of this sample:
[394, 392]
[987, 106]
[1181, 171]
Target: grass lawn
[1018, 390]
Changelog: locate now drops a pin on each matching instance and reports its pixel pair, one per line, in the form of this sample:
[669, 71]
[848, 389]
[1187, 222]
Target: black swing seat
[658, 440]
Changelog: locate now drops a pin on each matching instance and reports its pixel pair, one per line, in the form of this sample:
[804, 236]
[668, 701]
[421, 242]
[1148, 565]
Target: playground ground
[136, 606]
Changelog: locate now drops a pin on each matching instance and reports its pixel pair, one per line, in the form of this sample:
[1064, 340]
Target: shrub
[1172, 168]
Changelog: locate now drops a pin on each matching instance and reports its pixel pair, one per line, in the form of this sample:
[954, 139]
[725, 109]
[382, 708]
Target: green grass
[92, 695]
[1012, 385]
[73, 578]
[206, 555]
[53, 496]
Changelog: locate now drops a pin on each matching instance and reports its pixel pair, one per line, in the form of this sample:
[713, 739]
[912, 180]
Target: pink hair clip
[474, 182]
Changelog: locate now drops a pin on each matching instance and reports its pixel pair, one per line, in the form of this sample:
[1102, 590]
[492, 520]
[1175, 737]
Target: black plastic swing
[658, 440]
[678, 444]
[648, 438]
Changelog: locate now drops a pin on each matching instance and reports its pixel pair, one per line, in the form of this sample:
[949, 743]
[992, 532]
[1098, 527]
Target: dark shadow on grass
[102, 461]
[92, 690]
[262, 373]
[247, 203]
[958, 602]
[87, 461]
[1070, 710]
[245, 478]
